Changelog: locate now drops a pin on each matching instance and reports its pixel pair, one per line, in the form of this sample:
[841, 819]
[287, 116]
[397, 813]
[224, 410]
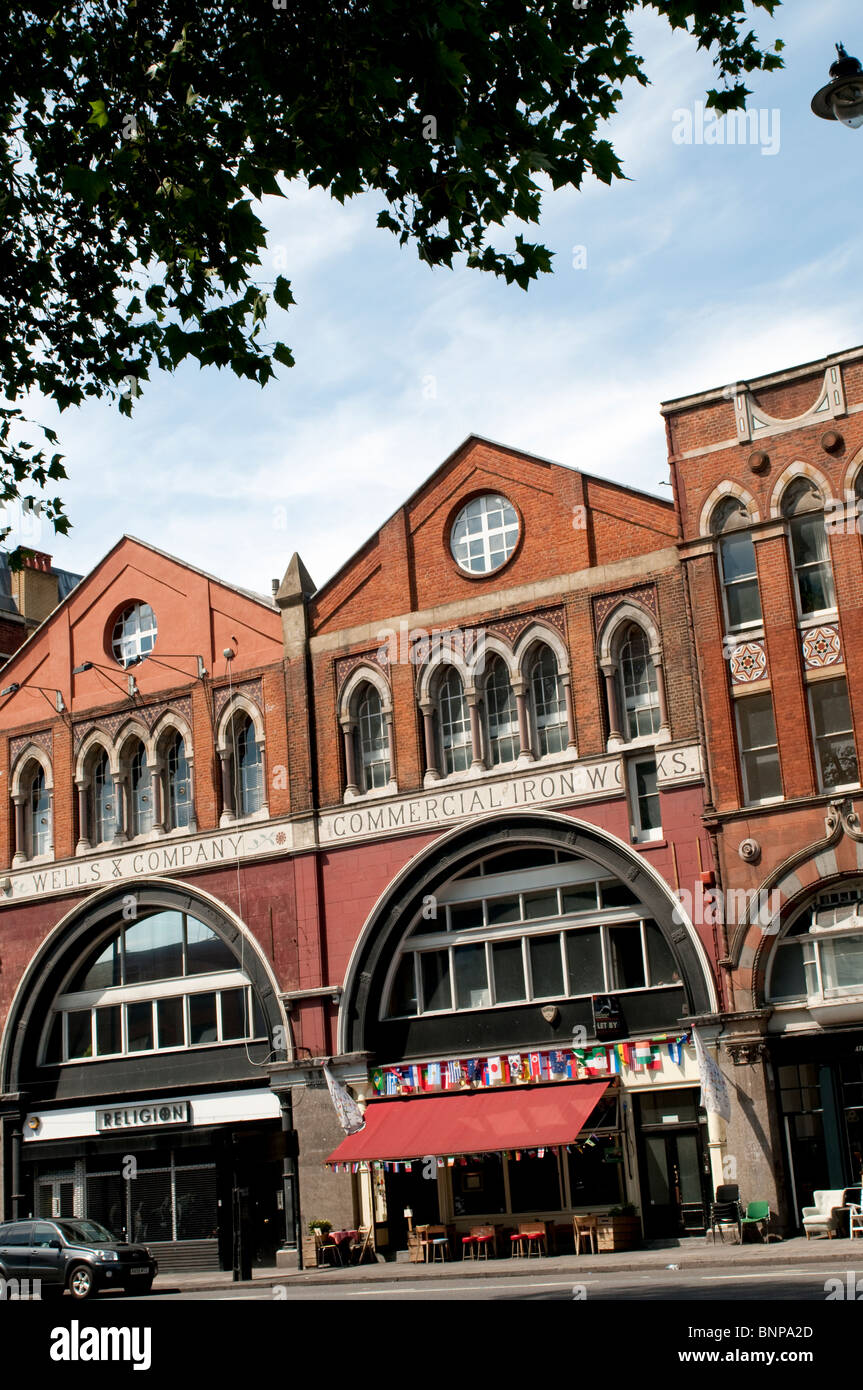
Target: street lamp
[842, 98]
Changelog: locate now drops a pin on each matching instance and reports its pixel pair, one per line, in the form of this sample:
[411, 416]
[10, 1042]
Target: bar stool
[517, 1240]
[440, 1245]
[536, 1240]
[468, 1246]
[483, 1237]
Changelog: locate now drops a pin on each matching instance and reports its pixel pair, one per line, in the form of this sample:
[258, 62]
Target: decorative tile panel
[346, 664]
[44, 739]
[748, 663]
[822, 646]
[110, 724]
[253, 690]
[645, 596]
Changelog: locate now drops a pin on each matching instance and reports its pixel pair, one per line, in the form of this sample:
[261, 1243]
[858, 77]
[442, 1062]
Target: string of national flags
[407, 1165]
[573, 1064]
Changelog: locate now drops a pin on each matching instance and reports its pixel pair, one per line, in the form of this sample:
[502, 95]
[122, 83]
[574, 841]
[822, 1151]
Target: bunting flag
[377, 1080]
[433, 1074]
[516, 1068]
[393, 1082]
[495, 1071]
[557, 1064]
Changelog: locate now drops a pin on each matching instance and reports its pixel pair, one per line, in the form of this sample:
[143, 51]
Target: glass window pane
[538, 905]
[738, 556]
[202, 1019]
[205, 951]
[842, 963]
[647, 796]
[546, 966]
[471, 977]
[660, 960]
[169, 1014]
[757, 727]
[744, 602]
[101, 970]
[508, 965]
[830, 708]
[584, 958]
[403, 999]
[580, 899]
[80, 1033]
[465, 915]
[435, 980]
[502, 910]
[154, 948]
[763, 779]
[234, 1014]
[139, 1026]
[816, 588]
[808, 539]
[618, 895]
[627, 961]
[789, 978]
[109, 1032]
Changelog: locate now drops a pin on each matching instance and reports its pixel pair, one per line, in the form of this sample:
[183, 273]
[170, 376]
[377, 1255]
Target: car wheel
[139, 1286]
[81, 1282]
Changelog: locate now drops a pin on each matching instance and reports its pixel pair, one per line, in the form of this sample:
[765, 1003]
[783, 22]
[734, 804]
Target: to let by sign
[607, 1016]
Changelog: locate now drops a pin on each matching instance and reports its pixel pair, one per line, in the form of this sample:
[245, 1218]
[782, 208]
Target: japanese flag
[495, 1071]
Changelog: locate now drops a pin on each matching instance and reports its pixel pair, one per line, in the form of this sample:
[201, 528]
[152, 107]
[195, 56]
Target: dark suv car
[75, 1254]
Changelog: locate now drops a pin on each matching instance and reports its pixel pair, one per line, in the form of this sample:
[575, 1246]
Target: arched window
[638, 685]
[164, 981]
[737, 568]
[248, 768]
[819, 957]
[140, 793]
[372, 739]
[803, 506]
[501, 714]
[104, 801]
[454, 724]
[548, 703]
[178, 783]
[37, 814]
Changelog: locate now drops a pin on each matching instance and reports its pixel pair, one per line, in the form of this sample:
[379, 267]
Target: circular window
[484, 534]
[134, 634]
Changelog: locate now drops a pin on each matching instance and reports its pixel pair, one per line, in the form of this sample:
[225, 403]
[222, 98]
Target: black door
[415, 1193]
[673, 1182]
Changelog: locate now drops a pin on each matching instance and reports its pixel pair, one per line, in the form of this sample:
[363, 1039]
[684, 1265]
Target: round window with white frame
[484, 534]
[134, 634]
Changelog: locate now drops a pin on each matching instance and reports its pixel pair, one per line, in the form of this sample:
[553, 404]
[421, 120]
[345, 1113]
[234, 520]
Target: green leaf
[282, 295]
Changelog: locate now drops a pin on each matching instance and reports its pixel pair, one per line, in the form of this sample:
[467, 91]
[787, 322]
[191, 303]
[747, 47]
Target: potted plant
[310, 1242]
[619, 1229]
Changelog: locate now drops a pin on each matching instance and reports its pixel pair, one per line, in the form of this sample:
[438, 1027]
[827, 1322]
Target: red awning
[470, 1122]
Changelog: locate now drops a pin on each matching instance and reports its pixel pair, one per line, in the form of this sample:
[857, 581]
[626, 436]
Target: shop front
[135, 1084]
[814, 984]
[522, 994]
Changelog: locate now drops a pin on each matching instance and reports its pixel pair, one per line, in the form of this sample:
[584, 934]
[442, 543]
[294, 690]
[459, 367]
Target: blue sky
[713, 263]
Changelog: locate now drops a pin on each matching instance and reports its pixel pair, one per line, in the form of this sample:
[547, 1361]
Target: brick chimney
[35, 587]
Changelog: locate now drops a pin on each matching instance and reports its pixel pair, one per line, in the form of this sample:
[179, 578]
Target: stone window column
[121, 796]
[524, 742]
[609, 670]
[660, 690]
[158, 799]
[193, 820]
[84, 843]
[22, 849]
[228, 808]
[427, 708]
[570, 711]
[348, 729]
[477, 760]
[391, 744]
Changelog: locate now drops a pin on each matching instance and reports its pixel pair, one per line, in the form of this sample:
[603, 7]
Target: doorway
[55, 1197]
[674, 1175]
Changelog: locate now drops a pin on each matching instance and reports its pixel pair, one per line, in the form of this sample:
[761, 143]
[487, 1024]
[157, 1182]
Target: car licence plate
[141, 1269]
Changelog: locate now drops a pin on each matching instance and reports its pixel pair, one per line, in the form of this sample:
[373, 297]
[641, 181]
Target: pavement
[689, 1254]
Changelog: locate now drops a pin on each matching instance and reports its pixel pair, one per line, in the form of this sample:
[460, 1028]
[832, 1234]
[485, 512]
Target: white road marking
[473, 1284]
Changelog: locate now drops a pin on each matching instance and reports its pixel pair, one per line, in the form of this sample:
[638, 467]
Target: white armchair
[823, 1216]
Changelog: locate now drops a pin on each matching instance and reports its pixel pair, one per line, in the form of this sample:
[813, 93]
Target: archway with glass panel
[819, 957]
[161, 982]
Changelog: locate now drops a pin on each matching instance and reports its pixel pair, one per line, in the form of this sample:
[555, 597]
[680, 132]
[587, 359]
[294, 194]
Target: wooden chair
[362, 1245]
[586, 1228]
[325, 1248]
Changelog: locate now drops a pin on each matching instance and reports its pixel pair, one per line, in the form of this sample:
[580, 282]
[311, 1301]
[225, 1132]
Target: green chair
[757, 1214]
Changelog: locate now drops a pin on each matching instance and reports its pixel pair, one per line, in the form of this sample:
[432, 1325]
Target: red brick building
[768, 477]
[509, 794]
[425, 825]
[147, 911]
